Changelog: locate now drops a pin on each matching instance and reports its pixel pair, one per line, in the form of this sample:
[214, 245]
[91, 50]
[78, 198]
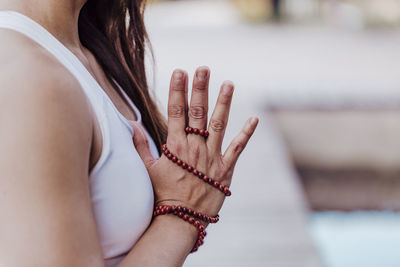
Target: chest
[120, 187]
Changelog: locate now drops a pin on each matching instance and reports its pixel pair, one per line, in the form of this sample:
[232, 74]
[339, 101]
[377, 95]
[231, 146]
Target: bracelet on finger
[201, 132]
[194, 171]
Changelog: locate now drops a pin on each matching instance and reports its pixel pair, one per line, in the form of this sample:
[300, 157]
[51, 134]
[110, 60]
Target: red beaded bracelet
[188, 211]
[162, 210]
[199, 174]
[190, 130]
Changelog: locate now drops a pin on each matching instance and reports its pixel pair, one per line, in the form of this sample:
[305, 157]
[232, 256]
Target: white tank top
[121, 190]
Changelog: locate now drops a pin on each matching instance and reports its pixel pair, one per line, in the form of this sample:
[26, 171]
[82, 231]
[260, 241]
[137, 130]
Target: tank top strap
[20, 23]
[28, 27]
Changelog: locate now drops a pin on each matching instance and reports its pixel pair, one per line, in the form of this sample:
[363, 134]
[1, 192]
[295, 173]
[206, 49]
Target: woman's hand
[172, 184]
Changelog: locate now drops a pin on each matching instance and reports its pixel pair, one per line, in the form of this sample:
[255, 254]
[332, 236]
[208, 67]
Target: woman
[74, 189]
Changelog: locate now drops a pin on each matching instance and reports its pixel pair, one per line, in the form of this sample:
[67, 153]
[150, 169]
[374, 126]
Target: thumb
[142, 144]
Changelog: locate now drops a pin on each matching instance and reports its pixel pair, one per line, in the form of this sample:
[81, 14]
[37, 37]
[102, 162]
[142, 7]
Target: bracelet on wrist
[191, 216]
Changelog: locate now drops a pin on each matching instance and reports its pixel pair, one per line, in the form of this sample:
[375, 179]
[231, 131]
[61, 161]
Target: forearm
[167, 242]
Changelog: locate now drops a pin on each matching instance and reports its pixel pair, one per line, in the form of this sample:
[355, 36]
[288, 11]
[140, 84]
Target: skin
[50, 139]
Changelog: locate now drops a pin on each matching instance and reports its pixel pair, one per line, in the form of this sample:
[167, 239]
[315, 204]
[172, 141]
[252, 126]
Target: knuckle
[238, 147]
[200, 85]
[198, 112]
[178, 148]
[178, 86]
[217, 125]
[175, 146]
[224, 100]
[176, 111]
[196, 153]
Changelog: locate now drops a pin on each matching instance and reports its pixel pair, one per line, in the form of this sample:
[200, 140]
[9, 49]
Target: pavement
[265, 222]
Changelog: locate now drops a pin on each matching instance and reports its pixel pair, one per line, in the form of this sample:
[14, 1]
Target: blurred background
[319, 184]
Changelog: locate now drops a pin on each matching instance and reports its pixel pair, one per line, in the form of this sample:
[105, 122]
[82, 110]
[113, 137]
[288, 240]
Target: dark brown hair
[114, 31]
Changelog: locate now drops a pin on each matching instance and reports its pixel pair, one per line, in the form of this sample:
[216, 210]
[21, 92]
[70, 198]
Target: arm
[45, 139]
[169, 239]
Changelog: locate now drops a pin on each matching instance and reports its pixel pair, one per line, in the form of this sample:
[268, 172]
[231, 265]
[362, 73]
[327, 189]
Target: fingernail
[254, 120]
[227, 89]
[202, 74]
[178, 75]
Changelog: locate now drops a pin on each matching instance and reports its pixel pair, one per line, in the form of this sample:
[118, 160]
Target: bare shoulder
[39, 97]
[33, 73]
[31, 78]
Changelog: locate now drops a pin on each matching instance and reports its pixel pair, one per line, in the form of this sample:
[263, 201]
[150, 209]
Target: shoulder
[31, 69]
[30, 75]
[40, 98]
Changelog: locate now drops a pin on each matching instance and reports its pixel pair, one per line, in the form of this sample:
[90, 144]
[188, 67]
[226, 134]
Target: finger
[199, 101]
[142, 145]
[186, 99]
[177, 105]
[236, 147]
[219, 118]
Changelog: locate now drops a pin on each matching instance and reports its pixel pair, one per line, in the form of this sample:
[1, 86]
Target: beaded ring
[199, 174]
[202, 132]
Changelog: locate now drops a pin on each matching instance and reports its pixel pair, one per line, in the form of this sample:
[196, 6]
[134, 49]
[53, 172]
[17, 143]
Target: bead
[196, 131]
[200, 175]
[179, 162]
[189, 168]
[221, 187]
[183, 213]
[184, 165]
[169, 156]
[216, 184]
[174, 159]
[195, 172]
[227, 192]
[201, 132]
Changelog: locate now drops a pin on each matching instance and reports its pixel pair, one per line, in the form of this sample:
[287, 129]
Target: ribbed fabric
[121, 190]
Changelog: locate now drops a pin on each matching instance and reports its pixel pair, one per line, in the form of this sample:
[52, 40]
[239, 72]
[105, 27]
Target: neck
[59, 17]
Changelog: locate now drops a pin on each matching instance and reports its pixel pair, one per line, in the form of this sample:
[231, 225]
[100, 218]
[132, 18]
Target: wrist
[177, 228]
